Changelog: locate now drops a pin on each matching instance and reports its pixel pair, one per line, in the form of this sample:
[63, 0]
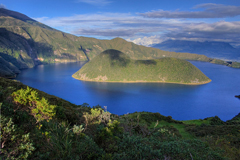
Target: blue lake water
[182, 102]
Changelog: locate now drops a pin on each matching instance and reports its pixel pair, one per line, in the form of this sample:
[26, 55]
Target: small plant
[163, 130]
[77, 129]
[97, 116]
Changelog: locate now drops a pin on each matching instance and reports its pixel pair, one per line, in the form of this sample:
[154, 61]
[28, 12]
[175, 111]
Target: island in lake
[114, 66]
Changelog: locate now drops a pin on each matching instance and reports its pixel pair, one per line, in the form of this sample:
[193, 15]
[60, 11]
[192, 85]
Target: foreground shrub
[97, 116]
[135, 147]
[108, 137]
[14, 144]
[28, 99]
[64, 143]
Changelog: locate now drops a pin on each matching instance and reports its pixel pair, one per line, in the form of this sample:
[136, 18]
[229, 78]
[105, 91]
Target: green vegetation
[115, 66]
[235, 65]
[28, 99]
[61, 130]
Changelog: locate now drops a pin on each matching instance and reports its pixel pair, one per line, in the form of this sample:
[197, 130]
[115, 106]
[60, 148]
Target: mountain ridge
[17, 15]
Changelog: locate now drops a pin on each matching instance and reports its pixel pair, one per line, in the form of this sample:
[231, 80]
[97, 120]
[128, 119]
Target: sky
[144, 22]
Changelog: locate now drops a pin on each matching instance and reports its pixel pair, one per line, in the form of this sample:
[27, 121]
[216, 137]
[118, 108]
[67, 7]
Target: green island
[36, 125]
[115, 66]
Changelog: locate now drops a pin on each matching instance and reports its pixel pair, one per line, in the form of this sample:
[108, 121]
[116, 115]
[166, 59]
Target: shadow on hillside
[117, 58]
[11, 59]
[15, 44]
[146, 62]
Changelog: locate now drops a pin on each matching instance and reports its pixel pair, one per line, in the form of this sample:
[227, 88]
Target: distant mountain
[220, 50]
[115, 66]
[25, 43]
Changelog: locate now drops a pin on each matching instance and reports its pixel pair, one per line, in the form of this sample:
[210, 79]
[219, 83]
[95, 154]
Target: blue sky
[144, 22]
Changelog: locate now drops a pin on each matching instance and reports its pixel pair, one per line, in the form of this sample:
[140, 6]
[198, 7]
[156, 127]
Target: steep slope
[220, 50]
[115, 66]
[7, 69]
[25, 43]
[47, 44]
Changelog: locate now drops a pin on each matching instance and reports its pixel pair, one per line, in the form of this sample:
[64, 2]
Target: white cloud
[107, 32]
[218, 31]
[41, 19]
[217, 27]
[211, 10]
[147, 41]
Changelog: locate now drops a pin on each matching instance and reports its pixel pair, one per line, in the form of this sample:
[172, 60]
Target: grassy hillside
[115, 66]
[26, 43]
[35, 125]
[38, 43]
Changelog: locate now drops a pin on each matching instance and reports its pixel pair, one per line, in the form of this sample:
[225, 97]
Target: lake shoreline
[144, 82]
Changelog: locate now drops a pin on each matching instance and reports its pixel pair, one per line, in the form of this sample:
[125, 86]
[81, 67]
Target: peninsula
[114, 66]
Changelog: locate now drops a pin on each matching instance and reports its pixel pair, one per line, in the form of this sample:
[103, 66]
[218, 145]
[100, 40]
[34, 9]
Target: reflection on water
[182, 102]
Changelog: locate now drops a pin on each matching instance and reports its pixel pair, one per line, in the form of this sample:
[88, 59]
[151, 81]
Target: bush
[216, 121]
[28, 99]
[108, 136]
[97, 116]
[135, 147]
[63, 143]
[14, 144]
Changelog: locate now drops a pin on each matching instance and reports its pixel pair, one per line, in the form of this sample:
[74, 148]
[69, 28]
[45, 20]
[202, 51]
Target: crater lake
[182, 102]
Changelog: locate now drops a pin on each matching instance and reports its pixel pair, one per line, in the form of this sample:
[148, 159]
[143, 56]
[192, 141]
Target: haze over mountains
[220, 50]
[25, 43]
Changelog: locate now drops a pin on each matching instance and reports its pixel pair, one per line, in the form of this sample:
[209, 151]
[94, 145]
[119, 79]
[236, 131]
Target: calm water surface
[182, 102]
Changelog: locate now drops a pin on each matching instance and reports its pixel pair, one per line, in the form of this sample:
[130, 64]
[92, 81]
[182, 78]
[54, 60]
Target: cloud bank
[211, 10]
[146, 30]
